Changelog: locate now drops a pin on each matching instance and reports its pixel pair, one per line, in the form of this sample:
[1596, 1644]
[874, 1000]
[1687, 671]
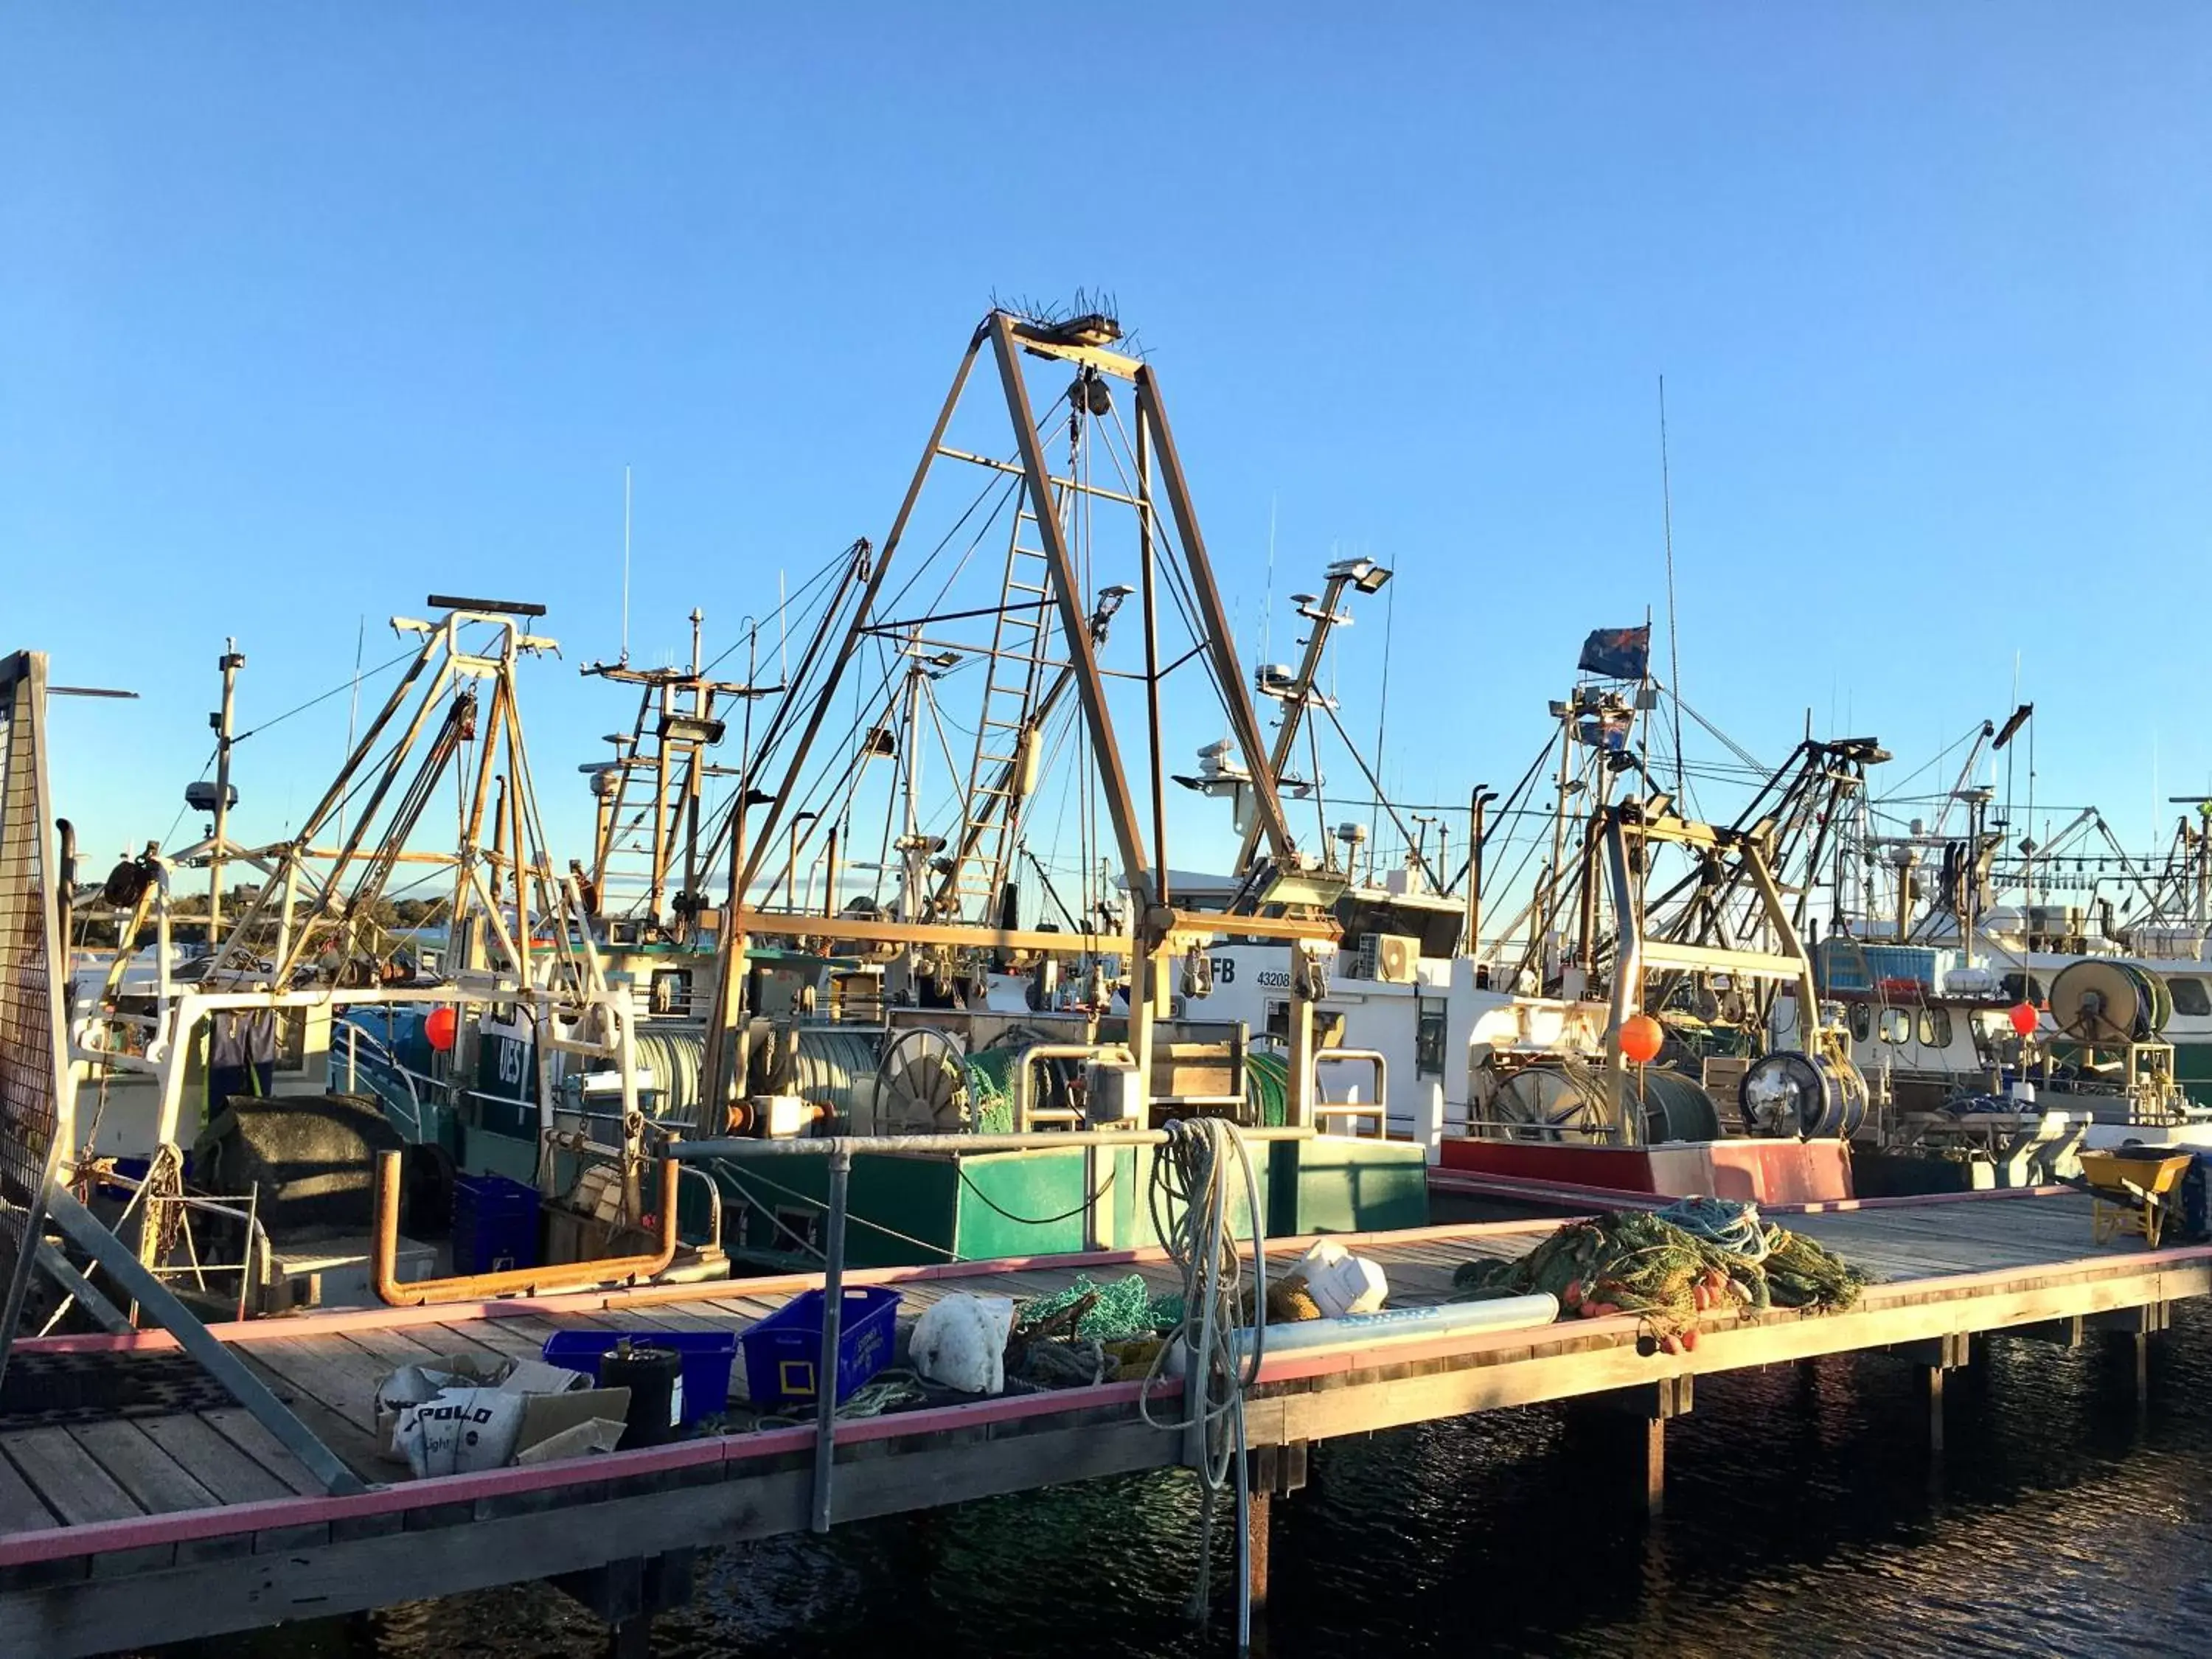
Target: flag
[1618, 653]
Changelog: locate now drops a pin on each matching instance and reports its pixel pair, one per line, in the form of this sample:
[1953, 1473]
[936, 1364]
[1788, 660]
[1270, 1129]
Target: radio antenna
[1673, 640]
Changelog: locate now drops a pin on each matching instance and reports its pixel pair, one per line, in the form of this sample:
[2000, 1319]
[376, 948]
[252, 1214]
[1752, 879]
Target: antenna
[353, 704]
[625, 633]
[1382, 702]
[1673, 642]
[1267, 607]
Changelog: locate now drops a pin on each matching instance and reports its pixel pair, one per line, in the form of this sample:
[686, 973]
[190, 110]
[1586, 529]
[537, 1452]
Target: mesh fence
[30, 1056]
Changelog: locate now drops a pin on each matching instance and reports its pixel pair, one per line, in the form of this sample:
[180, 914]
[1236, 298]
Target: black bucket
[651, 1376]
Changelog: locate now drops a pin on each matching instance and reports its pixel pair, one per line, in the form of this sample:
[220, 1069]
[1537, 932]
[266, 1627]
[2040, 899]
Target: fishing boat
[2004, 1038]
[983, 973]
[234, 1112]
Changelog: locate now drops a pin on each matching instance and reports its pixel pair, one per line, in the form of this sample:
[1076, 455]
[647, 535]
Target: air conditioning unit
[1397, 958]
[2054, 919]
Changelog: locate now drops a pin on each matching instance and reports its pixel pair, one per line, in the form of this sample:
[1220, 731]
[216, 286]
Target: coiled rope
[1724, 1223]
[1190, 1199]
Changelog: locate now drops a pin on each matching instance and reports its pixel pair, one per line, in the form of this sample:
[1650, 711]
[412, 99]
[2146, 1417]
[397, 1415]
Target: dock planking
[86, 1507]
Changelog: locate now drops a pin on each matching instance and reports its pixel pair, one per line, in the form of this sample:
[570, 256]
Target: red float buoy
[1641, 1038]
[440, 1028]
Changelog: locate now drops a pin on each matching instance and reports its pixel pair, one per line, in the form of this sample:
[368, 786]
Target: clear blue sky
[309, 309]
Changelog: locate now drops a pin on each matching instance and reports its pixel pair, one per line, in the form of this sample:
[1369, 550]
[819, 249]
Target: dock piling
[1645, 1408]
[627, 1594]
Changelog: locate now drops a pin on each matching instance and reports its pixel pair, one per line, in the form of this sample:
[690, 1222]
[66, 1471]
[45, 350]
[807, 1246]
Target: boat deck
[181, 1516]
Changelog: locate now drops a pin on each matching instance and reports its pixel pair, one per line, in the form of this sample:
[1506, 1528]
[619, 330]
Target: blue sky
[311, 309]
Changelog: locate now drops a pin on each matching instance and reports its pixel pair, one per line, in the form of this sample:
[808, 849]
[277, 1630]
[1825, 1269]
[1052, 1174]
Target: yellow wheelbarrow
[2132, 1194]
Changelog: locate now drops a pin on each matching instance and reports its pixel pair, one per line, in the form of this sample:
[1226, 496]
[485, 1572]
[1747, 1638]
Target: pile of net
[1088, 1332]
[1700, 1257]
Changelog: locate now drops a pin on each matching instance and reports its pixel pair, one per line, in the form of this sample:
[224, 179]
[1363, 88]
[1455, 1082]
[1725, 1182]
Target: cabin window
[2189, 996]
[1862, 1022]
[2023, 987]
[1278, 1019]
[1896, 1025]
[1429, 1040]
[1934, 1028]
[671, 991]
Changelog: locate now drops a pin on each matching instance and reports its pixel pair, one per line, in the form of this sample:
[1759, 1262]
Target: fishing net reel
[1803, 1096]
[2109, 1003]
[922, 1084]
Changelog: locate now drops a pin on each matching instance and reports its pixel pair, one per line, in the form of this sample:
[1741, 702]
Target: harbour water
[1804, 1516]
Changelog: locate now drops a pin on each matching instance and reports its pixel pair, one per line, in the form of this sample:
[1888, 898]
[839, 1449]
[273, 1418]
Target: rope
[1722, 1222]
[346, 684]
[1190, 1199]
[727, 1168]
[890, 1390]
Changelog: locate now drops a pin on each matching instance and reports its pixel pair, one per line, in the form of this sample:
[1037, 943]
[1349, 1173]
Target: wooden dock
[123, 1530]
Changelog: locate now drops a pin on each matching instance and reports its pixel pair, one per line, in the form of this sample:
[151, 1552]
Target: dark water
[1804, 1516]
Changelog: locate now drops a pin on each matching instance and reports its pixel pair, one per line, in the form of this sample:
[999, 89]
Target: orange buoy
[440, 1028]
[1641, 1038]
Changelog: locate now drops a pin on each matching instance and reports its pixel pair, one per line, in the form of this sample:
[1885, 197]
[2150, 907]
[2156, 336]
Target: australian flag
[1618, 653]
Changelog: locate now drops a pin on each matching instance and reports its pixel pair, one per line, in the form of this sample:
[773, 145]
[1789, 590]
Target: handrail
[1036, 1053]
[714, 1204]
[1380, 1111]
[748, 1146]
[514, 1281]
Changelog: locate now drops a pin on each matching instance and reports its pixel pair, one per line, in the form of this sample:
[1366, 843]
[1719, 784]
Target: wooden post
[1654, 1466]
[628, 1593]
[2141, 1342]
[1645, 1409]
[1931, 1378]
[1256, 1529]
[631, 1639]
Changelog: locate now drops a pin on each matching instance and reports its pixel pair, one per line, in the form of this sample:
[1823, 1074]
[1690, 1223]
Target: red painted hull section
[1764, 1171]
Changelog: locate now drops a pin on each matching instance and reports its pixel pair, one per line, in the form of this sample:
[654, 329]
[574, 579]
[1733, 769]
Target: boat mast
[231, 661]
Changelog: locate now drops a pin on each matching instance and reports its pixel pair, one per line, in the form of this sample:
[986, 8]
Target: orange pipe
[515, 1281]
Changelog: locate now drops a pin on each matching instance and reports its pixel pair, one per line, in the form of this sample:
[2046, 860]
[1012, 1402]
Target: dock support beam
[2138, 1325]
[1270, 1472]
[1257, 1520]
[1646, 1408]
[1947, 1352]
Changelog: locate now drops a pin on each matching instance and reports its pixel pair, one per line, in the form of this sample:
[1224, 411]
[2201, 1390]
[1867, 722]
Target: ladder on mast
[1006, 727]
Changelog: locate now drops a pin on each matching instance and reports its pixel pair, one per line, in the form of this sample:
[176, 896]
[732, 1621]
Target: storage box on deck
[1847, 965]
[495, 1225]
[783, 1352]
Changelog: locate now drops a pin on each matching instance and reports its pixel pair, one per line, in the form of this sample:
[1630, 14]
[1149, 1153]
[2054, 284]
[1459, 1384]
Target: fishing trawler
[1501, 1056]
[2006, 1038]
[964, 982]
[232, 1113]
[569, 1030]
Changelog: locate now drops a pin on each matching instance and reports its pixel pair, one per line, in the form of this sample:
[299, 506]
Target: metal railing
[1356, 1110]
[839, 1150]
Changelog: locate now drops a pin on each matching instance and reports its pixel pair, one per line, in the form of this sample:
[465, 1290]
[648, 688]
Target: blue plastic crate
[1847, 965]
[495, 1225]
[783, 1352]
[707, 1357]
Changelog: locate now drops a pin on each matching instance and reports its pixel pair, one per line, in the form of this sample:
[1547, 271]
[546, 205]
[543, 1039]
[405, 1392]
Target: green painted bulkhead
[2192, 1069]
[917, 1208]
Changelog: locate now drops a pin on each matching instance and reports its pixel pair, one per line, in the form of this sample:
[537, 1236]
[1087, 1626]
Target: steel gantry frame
[1083, 343]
